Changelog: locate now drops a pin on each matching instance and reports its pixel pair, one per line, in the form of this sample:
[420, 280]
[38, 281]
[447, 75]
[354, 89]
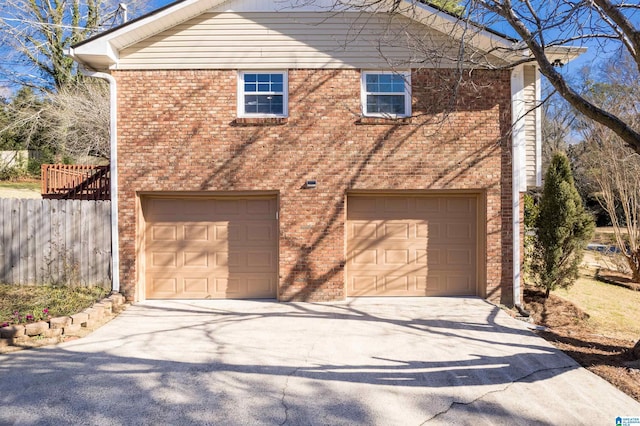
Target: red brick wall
[178, 132]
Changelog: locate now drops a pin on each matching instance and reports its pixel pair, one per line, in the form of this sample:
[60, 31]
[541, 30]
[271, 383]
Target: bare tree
[71, 123]
[34, 35]
[21, 126]
[541, 26]
[80, 136]
[68, 115]
[557, 123]
[616, 170]
[613, 165]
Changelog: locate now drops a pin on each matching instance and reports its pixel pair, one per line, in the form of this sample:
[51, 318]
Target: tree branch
[580, 103]
[630, 32]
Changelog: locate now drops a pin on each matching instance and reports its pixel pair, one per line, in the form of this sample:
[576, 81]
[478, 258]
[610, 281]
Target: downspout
[113, 170]
[517, 154]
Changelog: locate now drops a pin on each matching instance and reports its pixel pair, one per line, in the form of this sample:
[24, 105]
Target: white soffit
[563, 54]
[159, 22]
[103, 49]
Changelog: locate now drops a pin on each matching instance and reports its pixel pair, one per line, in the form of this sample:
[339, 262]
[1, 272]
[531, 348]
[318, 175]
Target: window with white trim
[386, 94]
[262, 94]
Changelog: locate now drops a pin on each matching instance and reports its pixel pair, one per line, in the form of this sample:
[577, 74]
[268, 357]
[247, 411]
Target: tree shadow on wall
[279, 157]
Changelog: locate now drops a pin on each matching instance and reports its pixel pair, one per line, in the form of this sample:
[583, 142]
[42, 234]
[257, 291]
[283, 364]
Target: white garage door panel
[411, 245]
[210, 248]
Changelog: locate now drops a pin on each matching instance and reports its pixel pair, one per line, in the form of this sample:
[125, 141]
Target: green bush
[12, 173]
[45, 156]
[563, 229]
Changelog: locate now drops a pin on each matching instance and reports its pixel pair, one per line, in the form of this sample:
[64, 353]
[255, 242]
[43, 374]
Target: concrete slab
[405, 361]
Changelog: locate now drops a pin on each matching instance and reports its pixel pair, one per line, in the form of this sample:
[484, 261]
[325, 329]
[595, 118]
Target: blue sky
[159, 3]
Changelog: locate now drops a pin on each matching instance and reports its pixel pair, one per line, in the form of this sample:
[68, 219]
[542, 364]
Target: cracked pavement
[391, 361]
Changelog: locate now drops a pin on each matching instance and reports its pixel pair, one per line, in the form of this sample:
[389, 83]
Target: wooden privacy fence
[55, 242]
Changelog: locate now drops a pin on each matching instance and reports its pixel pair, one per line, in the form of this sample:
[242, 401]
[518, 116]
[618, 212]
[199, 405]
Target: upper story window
[386, 94]
[262, 94]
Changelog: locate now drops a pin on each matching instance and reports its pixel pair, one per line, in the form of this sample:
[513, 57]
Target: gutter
[113, 169]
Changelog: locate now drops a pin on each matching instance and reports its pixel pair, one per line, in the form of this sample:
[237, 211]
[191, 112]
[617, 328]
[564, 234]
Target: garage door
[411, 245]
[210, 248]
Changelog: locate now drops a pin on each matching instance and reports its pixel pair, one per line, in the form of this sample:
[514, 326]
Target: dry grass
[595, 324]
[31, 185]
[33, 300]
[605, 235]
[613, 311]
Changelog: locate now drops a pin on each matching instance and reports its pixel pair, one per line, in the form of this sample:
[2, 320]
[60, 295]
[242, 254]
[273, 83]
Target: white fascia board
[159, 21]
[240, 6]
[481, 39]
[104, 49]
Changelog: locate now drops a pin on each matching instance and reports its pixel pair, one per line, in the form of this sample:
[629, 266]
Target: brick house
[305, 153]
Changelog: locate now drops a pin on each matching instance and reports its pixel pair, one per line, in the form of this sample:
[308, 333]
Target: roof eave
[102, 50]
[477, 36]
[561, 55]
[98, 56]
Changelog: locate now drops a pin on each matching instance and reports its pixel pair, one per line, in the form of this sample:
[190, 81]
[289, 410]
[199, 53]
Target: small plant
[21, 304]
[35, 316]
[63, 268]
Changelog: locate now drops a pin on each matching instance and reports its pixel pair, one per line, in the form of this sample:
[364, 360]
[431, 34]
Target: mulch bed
[570, 332]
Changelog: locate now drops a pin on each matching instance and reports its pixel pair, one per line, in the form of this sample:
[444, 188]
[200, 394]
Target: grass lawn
[33, 185]
[42, 301]
[613, 310]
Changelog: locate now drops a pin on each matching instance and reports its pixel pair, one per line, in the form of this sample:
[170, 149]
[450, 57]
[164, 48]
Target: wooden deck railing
[75, 182]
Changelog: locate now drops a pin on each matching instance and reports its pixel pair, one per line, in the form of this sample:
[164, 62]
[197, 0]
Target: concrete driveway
[404, 361]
